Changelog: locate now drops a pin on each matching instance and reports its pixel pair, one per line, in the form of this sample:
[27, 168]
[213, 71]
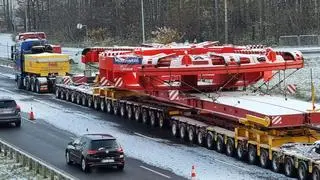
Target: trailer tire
[123, 109]
[90, 102]
[174, 129]
[37, 86]
[220, 146]
[241, 150]
[96, 104]
[182, 131]
[68, 96]
[210, 140]
[102, 105]
[137, 113]
[28, 86]
[161, 122]
[191, 134]
[230, 147]
[145, 116]
[130, 111]
[57, 93]
[200, 138]
[264, 158]
[84, 100]
[109, 106]
[19, 82]
[289, 167]
[275, 163]
[115, 106]
[153, 121]
[252, 154]
[73, 97]
[62, 95]
[32, 84]
[303, 173]
[315, 173]
[79, 98]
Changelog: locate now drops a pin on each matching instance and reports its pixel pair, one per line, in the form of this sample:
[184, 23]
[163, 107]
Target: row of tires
[28, 83]
[155, 117]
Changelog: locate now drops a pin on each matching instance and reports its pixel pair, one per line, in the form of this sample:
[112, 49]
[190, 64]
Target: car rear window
[105, 143]
[7, 104]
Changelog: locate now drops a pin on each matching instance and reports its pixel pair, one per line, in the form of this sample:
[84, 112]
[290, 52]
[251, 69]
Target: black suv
[93, 150]
[9, 111]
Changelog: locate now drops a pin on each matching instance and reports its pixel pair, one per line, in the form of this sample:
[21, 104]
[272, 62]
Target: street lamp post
[142, 22]
[80, 26]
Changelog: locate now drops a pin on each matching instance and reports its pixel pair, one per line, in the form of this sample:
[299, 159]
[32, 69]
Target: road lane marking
[229, 164]
[32, 121]
[147, 137]
[156, 172]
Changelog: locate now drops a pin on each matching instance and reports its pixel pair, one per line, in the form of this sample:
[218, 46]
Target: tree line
[227, 21]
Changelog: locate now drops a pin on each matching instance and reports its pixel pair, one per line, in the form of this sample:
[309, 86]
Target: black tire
[200, 138]
[78, 99]
[130, 112]
[84, 166]
[19, 83]
[145, 116]
[252, 154]
[174, 129]
[220, 146]
[275, 163]
[73, 97]
[241, 150]
[183, 131]
[315, 173]
[303, 173]
[123, 110]
[210, 140]
[289, 168]
[161, 121]
[120, 167]
[28, 85]
[57, 92]
[90, 102]
[18, 124]
[115, 106]
[32, 85]
[191, 134]
[264, 158]
[37, 86]
[67, 156]
[96, 103]
[230, 149]
[102, 104]
[137, 114]
[109, 106]
[153, 120]
[84, 100]
[62, 95]
[68, 98]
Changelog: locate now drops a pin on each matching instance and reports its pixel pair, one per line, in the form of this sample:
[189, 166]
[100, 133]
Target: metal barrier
[299, 40]
[38, 166]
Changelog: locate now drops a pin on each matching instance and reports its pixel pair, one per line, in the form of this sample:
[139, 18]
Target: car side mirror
[71, 143]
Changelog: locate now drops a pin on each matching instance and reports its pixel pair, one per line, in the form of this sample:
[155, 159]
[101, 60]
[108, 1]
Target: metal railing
[299, 40]
[34, 164]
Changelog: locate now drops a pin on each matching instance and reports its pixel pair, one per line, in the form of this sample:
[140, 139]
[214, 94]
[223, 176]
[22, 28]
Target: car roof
[6, 98]
[99, 136]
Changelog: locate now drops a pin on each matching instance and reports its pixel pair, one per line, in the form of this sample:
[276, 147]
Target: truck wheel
[115, 107]
[241, 150]
[220, 144]
[84, 101]
[183, 131]
[153, 121]
[57, 93]
[252, 156]
[174, 129]
[32, 85]
[264, 158]
[137, 113]
[37, 86]
[303, 171]
[210, 140]
[68, 96]
[28, 86]
[191, 134]
[160, 119]
[79, 99]
[315, 173]
[130, 111]
[230, 147]
[289, 167]
[73, 97]
[275, 163]
[145, 116]
[96, 103]
[90, 102]
[123, 110]
[102, 104]
[200, 138]
[109, 106]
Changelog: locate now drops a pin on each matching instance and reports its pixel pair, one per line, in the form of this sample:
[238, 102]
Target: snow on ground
[5, 45]
[161, 153]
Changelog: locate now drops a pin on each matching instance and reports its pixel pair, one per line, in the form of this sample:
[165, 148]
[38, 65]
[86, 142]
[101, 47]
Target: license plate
[107, 160]
[5, 111]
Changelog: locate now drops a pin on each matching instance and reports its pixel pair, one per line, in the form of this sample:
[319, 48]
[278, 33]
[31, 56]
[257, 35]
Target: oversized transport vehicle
[38, 64]
[203, 102]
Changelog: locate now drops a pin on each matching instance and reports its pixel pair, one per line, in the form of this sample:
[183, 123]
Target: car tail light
[90, 152]
[120, 150]
[18, 108]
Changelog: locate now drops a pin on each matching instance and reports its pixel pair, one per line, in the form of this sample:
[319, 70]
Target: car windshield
[7, 104]
[105, 143]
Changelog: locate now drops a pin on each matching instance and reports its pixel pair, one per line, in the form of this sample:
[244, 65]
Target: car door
[72, 149]
[79, 148]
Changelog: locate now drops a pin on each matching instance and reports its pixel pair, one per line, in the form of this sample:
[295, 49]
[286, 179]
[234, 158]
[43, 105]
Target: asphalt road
[48, 143]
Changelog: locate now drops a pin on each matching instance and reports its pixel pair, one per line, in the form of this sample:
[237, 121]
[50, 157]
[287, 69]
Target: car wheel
[68, 161]
[120, 167]
[18, 123]
[84, 166]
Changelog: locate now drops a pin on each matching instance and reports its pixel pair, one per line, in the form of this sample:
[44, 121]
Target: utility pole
[26, 14]
[142, 22]
[216, 18]
[225, 21]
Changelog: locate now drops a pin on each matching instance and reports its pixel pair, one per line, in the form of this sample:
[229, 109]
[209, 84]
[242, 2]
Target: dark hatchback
[95, 150]
[9, 111]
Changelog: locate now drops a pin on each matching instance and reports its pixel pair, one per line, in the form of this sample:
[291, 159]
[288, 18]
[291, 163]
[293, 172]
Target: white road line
[156, 172]
[138, 134]
[229, 164]
[32, 121]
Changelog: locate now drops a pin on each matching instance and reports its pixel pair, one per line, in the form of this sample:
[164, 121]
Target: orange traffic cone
[31, 115]
[193, 173]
